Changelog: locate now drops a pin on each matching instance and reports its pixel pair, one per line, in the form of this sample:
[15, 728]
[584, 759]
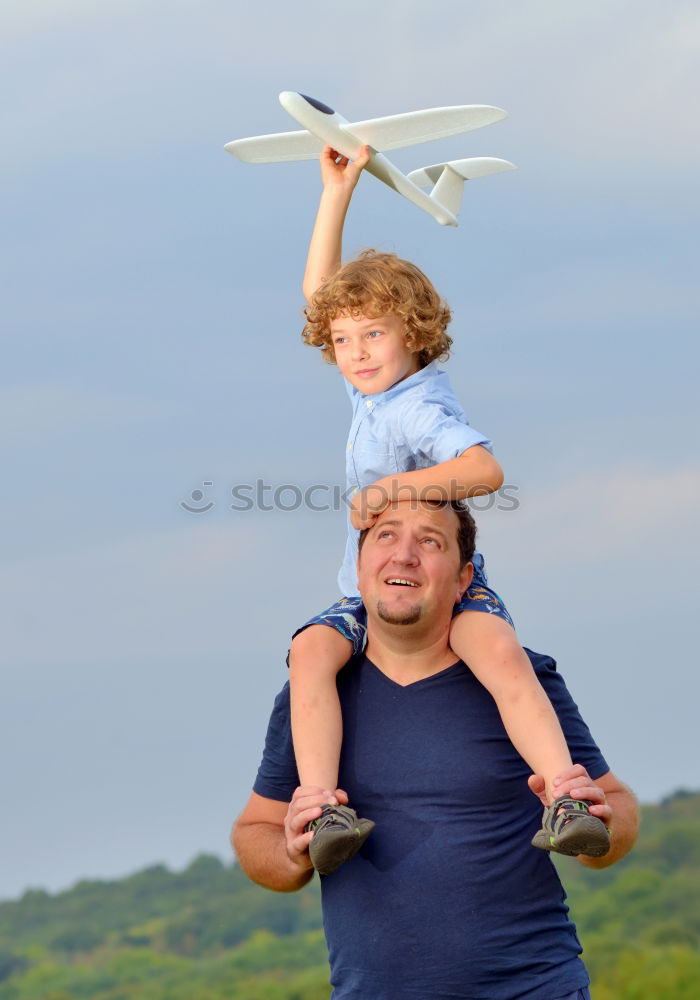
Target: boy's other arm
[270, 839]
[473, 473]
[326, 247]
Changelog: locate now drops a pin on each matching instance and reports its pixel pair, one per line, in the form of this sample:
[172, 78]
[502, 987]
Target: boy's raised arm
[340, 177]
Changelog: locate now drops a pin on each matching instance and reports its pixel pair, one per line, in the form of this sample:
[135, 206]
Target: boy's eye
[339, 340]
[374, 334]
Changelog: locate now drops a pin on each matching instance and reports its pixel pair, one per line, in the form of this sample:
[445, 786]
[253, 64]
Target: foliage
[640, 919]
[208, 934]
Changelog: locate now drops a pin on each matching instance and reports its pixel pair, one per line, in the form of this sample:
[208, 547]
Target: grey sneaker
[569, 828]
[338, 835]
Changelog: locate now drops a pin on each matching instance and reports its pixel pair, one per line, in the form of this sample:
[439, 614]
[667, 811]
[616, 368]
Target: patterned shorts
[348, 616]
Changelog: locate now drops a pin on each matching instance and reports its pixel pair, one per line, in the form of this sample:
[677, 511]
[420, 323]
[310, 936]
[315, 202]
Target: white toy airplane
[327, 128]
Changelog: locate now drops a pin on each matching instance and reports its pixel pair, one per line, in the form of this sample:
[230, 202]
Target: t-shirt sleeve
[436, 432]
[277, 775]
[582, 746]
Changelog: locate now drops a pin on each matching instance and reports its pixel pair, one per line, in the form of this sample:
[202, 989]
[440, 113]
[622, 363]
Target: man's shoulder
[541, 662]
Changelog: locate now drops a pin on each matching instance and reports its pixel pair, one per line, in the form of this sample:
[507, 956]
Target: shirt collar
[430, 371]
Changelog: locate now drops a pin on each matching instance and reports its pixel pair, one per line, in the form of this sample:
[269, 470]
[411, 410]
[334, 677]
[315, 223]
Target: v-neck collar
[413, 684]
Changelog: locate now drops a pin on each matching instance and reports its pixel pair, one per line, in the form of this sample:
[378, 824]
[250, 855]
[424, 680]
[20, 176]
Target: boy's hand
[339, 171]
[366, 506]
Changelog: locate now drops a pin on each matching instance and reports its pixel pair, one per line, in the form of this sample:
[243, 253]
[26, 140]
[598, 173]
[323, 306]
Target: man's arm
[326, 246]
[270, 840]
[612, 801]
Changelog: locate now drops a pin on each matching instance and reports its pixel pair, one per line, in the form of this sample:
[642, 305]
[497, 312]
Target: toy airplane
[327, 128]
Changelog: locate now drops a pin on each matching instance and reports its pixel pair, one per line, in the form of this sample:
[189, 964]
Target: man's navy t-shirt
[446, 899]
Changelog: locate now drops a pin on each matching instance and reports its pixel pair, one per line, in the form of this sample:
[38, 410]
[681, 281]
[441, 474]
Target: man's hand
[576, 782]
[339, 171]
[306, 806]
[611, 801]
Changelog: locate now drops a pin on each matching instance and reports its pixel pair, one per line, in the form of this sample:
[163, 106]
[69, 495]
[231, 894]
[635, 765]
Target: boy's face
[372, 353]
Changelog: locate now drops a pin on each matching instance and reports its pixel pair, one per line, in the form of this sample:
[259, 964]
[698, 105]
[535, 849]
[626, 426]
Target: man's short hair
[381, 284]
[466, 528]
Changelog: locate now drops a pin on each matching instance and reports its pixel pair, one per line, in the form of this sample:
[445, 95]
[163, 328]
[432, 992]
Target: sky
[152, 361]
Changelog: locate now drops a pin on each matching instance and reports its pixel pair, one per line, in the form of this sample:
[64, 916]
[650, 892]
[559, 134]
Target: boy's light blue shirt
[415, 424]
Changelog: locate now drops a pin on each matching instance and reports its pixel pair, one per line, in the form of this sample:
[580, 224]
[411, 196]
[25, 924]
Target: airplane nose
[318, 105]
[288, 98]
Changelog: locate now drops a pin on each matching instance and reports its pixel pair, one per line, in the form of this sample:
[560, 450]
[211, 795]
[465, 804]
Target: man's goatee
[408, 617]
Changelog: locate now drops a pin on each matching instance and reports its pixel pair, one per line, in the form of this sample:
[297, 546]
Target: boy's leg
[316, 656]
[318, 652]
[485, 639]
[490, 648]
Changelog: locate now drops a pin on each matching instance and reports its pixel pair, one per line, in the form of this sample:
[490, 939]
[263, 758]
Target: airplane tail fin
[448, 178]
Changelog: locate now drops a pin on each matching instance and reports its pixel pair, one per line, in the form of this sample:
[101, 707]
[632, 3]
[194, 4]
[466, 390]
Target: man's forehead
[414, 513]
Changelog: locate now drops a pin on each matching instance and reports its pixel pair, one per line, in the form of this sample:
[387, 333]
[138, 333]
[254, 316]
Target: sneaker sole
[335, 848]
[587, 836]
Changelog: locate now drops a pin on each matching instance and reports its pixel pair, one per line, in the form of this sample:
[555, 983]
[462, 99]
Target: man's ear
[466, 574]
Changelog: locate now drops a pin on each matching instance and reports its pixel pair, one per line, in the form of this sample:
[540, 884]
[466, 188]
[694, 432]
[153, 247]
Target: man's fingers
[299, 820]
[587, 791]
[570, 773]
[536, 785]
[299, 845]
[602, 811]
[577, 782]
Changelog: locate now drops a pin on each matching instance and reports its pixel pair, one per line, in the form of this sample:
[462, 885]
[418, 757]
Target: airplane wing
[468, 170]
[413, 127]
[276, 148]
[391, 132]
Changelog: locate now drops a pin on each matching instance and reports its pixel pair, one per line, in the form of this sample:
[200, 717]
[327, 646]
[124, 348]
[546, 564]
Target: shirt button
[349, 447]
[369, 404]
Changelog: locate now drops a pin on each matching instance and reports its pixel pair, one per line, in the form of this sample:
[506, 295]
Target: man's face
[408, 569]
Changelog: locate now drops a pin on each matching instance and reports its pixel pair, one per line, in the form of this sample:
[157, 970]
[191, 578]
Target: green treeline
[207, 934]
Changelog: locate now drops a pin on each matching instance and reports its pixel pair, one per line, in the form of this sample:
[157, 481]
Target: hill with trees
[208, 934]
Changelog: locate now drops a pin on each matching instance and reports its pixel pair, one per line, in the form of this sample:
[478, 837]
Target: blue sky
[151, 318]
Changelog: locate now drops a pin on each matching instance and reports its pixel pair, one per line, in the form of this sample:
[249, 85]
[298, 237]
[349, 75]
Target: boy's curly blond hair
[381, 284]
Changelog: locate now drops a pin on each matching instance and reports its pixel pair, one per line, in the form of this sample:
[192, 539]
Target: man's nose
[406, 552]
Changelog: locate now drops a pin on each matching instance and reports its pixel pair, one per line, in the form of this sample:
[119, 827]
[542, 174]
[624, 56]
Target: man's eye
[384, 534]
[433, 541]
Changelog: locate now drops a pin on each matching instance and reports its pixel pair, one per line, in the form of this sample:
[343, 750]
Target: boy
[382, 322]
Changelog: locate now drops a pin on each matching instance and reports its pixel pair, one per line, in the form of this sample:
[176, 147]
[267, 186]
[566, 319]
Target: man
[432, 907]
